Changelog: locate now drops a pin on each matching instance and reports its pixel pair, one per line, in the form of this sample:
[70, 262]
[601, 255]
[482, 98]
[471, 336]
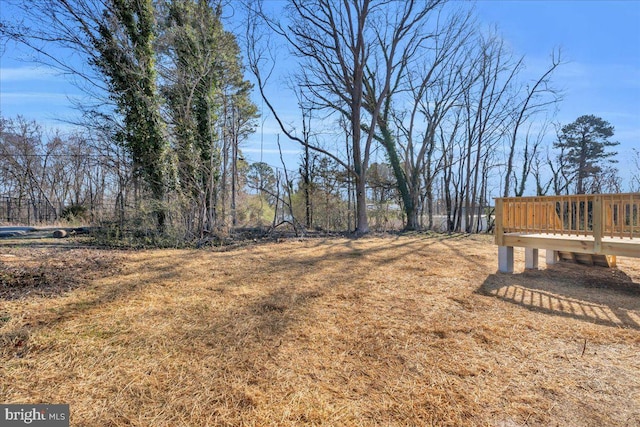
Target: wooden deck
[601, 224]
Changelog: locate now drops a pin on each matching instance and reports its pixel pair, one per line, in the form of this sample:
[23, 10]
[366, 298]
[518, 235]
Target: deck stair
[588, 259]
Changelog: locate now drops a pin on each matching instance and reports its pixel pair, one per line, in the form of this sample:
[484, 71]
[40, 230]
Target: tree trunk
[307, 190]
[362, 220]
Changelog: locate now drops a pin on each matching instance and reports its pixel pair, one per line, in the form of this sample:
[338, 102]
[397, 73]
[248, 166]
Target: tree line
[164, 85]
[49, 176]
[442, 96]
[419, 83]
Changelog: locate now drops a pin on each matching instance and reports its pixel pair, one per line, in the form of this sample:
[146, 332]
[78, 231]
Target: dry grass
[393, 331]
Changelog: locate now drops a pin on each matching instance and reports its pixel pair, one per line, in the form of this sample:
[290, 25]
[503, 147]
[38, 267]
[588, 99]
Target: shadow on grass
[50, 273]
[15, 338]
[592, 294]
[267, 314]
[263, 320]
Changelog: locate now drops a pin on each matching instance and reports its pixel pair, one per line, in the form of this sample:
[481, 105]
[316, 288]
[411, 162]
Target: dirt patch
[394, 331]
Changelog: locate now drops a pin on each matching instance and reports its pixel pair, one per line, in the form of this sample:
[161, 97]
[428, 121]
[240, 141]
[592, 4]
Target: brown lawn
[392, 331]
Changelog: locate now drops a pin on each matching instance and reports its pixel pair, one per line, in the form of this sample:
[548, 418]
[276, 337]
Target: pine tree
[584, 144]
[204, 88]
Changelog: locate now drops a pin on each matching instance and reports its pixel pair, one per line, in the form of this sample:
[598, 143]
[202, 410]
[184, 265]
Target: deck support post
[505, 259]
[531, 258]
[552, 257]
[598, 224]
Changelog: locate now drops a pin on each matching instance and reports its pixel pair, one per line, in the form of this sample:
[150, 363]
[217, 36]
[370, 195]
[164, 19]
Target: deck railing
[594, 215]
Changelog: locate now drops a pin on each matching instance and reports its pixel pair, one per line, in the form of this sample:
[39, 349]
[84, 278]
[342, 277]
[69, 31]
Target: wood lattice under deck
[603, 225]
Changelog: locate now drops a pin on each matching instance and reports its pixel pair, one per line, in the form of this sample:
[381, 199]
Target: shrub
[75, 212]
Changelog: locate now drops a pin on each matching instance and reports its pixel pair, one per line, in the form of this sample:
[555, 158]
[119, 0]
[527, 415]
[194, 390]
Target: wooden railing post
[598, 223]
[499, 219]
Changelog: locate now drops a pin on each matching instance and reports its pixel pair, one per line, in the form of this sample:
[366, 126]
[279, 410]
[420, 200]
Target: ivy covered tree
[112, 43]
[126, 57]
[164, 82]
[208, 103]
[585, 155]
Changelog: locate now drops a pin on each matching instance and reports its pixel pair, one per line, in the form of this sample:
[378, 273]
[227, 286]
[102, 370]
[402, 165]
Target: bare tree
[635, 176]
[48, 176]
[340, 44]
[537, 97]
[486, 109]
[436, 76]
[560, 173]
[538, 170]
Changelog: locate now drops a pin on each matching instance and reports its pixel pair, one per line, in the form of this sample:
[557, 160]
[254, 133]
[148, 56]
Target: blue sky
[600, 41]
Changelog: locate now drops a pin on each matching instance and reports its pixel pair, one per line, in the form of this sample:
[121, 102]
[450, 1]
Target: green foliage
[127, 58]
[256, 211]
[192, 40]
[75, 212]
[261, 178]
[205, 92]
[584, 145]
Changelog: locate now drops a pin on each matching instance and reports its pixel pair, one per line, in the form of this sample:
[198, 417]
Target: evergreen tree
[207, 99]
[584, 145]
